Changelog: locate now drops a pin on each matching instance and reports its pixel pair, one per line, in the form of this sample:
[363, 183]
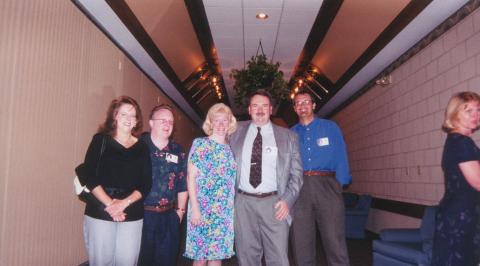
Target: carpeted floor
[359, 250]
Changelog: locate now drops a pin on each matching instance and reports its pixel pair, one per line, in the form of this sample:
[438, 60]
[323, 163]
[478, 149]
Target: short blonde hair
[458, 102]
[222, 109]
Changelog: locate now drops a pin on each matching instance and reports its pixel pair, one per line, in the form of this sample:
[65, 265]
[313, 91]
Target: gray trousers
[320, 202]
[112, 243]
[258, 233]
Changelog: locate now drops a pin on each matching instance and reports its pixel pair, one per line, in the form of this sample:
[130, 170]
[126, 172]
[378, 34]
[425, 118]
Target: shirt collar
[168, 147]
[265, 128]
[308, 125]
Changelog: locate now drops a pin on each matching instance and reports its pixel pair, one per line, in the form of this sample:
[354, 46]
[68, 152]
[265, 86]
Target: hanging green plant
[259, 74]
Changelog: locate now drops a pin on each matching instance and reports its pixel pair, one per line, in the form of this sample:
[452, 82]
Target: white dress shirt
[269, 160]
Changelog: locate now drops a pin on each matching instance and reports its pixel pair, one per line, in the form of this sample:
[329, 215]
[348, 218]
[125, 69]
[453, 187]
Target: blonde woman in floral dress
[211, 187]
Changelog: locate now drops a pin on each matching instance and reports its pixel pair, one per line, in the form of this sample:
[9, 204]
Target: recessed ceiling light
[261, 15]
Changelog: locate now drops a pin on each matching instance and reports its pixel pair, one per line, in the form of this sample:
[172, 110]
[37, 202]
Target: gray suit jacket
[289, 163]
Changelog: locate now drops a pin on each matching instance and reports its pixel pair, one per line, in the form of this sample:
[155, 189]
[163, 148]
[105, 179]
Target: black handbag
[80, 188]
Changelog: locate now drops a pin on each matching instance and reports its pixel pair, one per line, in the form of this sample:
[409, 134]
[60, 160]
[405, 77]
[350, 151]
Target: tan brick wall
[393, 133]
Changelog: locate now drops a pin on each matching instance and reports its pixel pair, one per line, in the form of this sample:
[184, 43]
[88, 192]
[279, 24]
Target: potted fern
[259, 74]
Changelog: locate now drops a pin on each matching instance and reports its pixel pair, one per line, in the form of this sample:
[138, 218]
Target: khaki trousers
[258, 233]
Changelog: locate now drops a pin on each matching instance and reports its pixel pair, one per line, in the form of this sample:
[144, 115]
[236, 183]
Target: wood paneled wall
[58, 73]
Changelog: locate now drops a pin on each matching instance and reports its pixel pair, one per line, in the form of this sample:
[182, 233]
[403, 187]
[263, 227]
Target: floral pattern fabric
[213, 238]
[456, 218]
[169, 168]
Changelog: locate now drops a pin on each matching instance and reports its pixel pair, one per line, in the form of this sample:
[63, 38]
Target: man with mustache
[269, 178]
[326, 170]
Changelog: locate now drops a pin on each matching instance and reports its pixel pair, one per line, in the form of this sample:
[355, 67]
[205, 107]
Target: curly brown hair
[110, 125]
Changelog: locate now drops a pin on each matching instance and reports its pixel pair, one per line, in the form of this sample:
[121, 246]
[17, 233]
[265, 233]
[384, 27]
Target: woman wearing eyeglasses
[117, 171]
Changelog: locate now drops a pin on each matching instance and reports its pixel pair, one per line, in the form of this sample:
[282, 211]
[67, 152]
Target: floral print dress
[213, 238]
[456, 216]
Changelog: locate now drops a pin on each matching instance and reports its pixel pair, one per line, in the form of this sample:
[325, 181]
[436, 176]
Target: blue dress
[456, 216]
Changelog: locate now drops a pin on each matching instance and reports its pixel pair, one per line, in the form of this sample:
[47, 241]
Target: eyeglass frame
[302, 103]
[163, 121]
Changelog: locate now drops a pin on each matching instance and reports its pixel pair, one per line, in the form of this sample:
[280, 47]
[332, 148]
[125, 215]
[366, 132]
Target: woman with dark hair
[456, 218]
[117, 171]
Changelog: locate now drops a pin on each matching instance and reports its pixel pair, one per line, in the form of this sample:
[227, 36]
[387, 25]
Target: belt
[257, 195]
[318, 173]
[159, 208]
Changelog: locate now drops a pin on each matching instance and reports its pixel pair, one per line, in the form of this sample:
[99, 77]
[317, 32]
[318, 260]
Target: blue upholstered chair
[357, 208]
[402, 247]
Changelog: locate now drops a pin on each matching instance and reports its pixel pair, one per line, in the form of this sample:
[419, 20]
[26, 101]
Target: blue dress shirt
[322, 148]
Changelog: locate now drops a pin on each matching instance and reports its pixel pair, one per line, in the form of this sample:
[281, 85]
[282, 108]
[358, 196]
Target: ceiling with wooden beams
[334, 48]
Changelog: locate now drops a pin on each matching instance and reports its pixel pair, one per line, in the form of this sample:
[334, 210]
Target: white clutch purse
[78, 188]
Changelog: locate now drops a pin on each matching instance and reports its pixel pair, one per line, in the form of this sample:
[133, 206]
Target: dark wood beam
[433, 35]
[327, 13]
[199, 20]
[128, 18]
[409, 13]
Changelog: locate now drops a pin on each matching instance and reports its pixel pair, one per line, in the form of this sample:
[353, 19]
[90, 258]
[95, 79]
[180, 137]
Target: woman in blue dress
[211, 188]
[456, 218]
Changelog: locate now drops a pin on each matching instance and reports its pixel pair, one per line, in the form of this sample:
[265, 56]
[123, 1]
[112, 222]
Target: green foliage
[259, 74]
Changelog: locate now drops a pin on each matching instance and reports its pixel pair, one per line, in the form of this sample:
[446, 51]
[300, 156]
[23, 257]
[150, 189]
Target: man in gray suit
[269, 179]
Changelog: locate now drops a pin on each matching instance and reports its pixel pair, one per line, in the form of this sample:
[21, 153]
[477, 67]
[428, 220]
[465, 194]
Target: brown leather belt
[158, 208]
[257, 195]
[318, 173]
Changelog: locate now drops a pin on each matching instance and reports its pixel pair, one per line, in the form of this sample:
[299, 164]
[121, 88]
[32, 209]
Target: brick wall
[393, 133]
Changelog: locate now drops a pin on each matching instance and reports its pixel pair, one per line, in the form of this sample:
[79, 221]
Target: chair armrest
[401, 235]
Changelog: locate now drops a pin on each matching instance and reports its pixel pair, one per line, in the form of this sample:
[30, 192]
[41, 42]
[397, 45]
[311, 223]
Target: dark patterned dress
[217, 171]
[456, 216]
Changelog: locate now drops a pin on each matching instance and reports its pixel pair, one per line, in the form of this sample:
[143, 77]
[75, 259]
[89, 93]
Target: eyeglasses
[304, 102]
[163, 121]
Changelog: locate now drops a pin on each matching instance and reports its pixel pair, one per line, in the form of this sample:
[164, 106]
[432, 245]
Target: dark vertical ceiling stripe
[433, 35]
[195, 75]
[327, 13]
[123, 11]
[199, 20]
[398, 24]
[114, 41]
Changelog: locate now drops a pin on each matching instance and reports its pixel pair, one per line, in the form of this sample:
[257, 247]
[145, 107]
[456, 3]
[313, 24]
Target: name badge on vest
[172, 158]
[322, 142]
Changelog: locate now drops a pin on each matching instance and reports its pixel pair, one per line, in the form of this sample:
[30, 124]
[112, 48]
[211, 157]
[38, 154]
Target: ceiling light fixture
[384, 81]
[261, 15]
